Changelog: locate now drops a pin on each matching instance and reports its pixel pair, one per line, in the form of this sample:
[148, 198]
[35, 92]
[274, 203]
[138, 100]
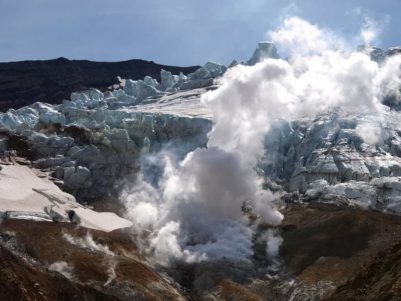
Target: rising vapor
[195, 212]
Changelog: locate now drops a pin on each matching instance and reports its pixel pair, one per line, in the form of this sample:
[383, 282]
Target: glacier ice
[95, 138]
[264, 50]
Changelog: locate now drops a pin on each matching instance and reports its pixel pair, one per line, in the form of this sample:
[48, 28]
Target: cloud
[369, 31]
[299, 37]
[371, 27]
[371, 132]
[140, 211]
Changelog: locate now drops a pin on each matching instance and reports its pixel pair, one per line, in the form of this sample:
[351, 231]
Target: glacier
[95, 138]
[93, 141]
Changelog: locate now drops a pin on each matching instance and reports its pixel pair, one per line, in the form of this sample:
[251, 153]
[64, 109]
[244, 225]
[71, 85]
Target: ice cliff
[327, 159]
[93, 140]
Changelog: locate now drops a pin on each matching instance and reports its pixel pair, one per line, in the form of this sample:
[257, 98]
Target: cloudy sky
[175, 32]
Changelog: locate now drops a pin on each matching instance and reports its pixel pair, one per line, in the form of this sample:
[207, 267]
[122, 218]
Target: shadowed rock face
[377, 280]
[22, 83]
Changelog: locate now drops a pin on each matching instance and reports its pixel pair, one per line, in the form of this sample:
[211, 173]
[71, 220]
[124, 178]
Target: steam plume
[63, 268]
[194, 212]
[88, 243]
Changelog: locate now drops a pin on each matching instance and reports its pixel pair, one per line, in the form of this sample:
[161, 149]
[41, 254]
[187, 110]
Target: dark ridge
[23, 83]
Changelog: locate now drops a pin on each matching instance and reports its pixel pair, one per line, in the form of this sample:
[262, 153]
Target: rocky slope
[329, 253]
[22, 83]
[48, 261]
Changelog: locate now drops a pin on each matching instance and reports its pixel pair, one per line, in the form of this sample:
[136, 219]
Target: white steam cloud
[63, 268]
[111, 271]
[194, 212]
[299, 36]
[87, 243]
[370, 31]
[371, 28]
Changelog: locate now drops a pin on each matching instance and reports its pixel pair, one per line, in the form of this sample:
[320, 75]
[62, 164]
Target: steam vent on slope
[278, 178]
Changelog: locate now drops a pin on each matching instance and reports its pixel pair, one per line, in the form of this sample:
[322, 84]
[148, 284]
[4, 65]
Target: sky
[173, 32]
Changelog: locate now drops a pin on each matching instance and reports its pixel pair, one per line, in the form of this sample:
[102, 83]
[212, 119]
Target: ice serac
[203, 77]
[376, 54]
[94, 139]
[142, 89]
[167, 80]
[328, 158]
[393, 51]
[263, 51]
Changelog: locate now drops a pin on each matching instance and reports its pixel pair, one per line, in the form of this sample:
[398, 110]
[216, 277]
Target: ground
[329, 253]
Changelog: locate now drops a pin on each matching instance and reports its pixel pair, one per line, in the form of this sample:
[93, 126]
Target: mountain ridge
[25, 82]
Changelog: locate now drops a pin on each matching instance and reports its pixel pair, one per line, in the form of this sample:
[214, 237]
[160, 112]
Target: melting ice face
[195, 211]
